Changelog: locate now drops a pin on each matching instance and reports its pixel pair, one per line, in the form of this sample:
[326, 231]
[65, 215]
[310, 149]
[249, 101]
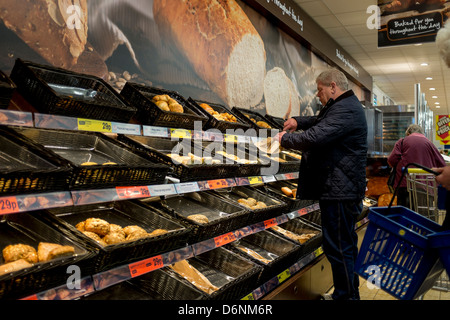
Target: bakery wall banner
[212, 50]
[411, 21]
[443, 129]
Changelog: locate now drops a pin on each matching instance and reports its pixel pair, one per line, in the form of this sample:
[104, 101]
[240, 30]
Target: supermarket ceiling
[395, 70]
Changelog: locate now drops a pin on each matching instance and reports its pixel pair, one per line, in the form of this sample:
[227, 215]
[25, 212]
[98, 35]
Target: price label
[250, 296]
[230, 138]
[255, 180]
[224, 239]
[318, 251]
[217, 184]
[180, 133]
[94, 125]
[8, 205]
[283, 276]
[132, 192]
[155, 131]
[270, 223]
[145, 266]
[302, 211]
[290, 176]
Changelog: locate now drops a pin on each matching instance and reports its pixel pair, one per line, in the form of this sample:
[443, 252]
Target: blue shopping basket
[395, 254]
[441, 242]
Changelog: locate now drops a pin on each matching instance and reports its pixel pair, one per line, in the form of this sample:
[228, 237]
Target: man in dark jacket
[333, 171]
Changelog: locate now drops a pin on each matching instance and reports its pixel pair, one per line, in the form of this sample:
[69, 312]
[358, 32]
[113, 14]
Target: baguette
[221, 44]
[42, 25]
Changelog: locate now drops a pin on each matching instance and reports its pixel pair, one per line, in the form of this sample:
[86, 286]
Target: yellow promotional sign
[443, 128]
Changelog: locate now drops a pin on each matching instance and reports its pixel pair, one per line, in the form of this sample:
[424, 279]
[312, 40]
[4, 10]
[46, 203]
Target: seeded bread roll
[220, 42]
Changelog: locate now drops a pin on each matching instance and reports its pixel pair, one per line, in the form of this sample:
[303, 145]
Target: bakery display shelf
[50, 121]
[46, 200]
[108, 278]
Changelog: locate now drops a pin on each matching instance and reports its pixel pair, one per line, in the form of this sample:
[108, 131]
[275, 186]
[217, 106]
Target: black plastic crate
[7, 88]
[157, 149]
[274, 189]
[223, 216]
[274, 207]
[24, 228]
[274, 253]
[62, 92]
[221, 125]
[97, 161]
[247, 115]
[232, 275]
[148, 113]
[122, 213]
[26, 167]
[300, 227]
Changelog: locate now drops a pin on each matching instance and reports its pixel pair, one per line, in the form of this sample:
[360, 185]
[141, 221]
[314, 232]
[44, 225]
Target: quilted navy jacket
[334, 151]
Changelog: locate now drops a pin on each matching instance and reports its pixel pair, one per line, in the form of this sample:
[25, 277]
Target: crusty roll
[44, 27]
[19, 251]
[14, 266]
[220, 42]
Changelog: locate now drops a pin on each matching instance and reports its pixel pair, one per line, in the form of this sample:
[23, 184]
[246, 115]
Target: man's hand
[290, 125]
[444, 177]
[279, 136]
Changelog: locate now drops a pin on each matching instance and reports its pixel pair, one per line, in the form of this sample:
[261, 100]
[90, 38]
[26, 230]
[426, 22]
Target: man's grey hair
[414, 128]
[333, 75]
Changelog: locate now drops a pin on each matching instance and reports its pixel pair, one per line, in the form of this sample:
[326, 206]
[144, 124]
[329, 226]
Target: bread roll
[98, 226]
[199, 218]
[49, 251]
[287, 191]
[14, 266]
[221, 44]
[207, 108]
[43, 26]
[19, 251]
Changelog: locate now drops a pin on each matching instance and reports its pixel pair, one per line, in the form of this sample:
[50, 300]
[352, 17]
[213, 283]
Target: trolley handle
[419, 170]
[405, 169]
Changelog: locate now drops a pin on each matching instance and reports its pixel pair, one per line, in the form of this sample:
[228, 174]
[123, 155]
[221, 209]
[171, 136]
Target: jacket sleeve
[395, 155]
[336, 124]
[304, 123]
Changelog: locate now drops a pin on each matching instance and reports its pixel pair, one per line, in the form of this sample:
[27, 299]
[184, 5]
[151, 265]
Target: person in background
[333, 171]
[414, 148]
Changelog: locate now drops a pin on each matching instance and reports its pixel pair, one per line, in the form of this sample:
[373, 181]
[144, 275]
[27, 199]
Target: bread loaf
[280, 94]
[44, 27]
[221, 44]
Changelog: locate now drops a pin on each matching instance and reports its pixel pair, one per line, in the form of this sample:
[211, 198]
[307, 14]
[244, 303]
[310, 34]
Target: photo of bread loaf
[43, 26]
[232, 64]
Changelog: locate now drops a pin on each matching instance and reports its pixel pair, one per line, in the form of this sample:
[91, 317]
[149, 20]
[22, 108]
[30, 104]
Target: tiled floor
[372, 293]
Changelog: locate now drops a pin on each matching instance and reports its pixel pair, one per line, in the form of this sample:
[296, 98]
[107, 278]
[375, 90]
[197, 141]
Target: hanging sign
[409, 22]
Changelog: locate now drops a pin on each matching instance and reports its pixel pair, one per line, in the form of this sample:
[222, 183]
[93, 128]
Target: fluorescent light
[429, 78]
[432, 89]
[424, 64]
[434, 97]
[436, 103]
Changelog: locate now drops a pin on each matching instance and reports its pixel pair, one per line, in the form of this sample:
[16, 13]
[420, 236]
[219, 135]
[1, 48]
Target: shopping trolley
[395, 254]
[427, 198]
